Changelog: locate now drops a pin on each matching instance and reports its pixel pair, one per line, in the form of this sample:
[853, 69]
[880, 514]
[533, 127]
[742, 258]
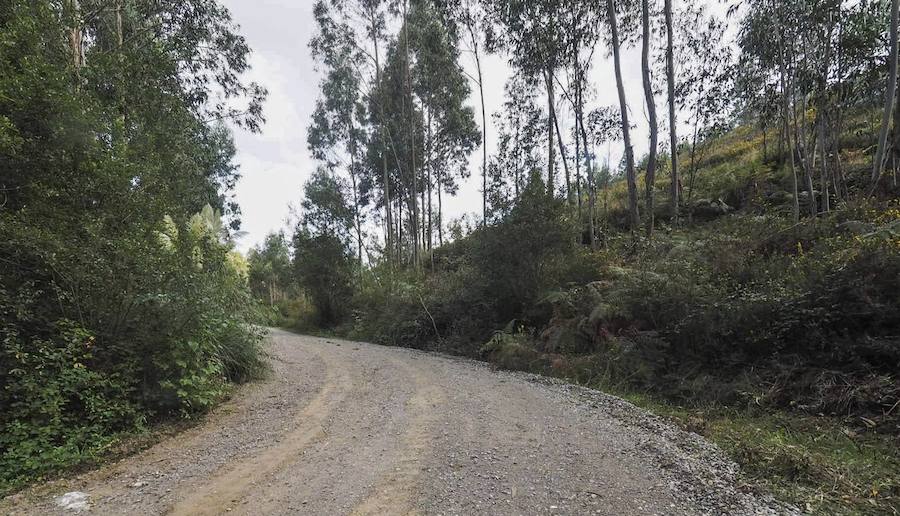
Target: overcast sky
[276, 163]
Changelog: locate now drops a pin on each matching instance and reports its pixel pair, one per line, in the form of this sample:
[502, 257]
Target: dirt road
[351, 428]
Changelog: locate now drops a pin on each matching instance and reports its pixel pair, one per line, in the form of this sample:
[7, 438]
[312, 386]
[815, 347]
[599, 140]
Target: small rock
[73, 501]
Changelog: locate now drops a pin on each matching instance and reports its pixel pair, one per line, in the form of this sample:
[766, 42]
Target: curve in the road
[353, 428]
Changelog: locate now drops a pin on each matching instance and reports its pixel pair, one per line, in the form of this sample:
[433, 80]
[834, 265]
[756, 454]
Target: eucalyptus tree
[634, 217]
[403, 125]
[451, 133]
[583, 22]
[889, 97]
[335, 136]
[374, 20]
[412, 121]
[650, 176]
[471, 18]
[323, 258]
[269, 273]
[182, 59]
[702, 81]
[824, 59]
[674, 188]
[764, 20]
[604, 126]
[532, 33]
[519, 135]
[112, 139]
[859, 67]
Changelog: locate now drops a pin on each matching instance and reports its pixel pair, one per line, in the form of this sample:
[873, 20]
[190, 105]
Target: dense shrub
[727, 318]
[93, 344]
[480, 282]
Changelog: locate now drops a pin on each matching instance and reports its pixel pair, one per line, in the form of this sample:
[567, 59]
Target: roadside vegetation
[746, 285]
[122, 300]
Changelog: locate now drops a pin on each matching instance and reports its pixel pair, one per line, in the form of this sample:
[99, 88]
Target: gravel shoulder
[352, 428]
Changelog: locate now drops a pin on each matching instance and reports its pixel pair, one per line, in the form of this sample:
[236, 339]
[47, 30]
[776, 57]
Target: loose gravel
[352, 428]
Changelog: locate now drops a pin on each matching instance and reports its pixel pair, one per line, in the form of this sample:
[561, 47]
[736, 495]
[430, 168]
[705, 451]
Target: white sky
[276, 163]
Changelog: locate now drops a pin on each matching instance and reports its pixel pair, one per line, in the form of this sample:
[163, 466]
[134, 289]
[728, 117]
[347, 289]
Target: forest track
[351, 428]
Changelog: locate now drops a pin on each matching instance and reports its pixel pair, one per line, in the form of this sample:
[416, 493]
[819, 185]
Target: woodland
[740, 278]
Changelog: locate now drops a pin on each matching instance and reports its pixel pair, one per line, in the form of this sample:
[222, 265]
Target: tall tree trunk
[518, 169]
[801, 144]
[120, 132]
[692, 166]
[894, 146]
[400, 223]
[414, 205]
[823, 178]
[562, 149]
[76, 38]
[423, 223]
[430, 161]
[484, 153]
[837, 170]
[578, 109]
[673, 123]
[786, 115]
[356, 219]
[592, 191]
[551, 117]
[389, 231]
[440, 213]
[633, 211]
[890, 93]
[565, 160]
[650, 176]
[786, 107]
[120, 36]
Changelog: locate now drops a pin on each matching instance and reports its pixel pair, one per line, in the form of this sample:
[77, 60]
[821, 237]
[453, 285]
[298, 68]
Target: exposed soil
[352, 428]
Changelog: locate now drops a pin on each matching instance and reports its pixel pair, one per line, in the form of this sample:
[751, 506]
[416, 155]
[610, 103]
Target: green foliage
[323, 262]
[324, 267]
[121, 300]
[269, 270]
[163, 341]
[479, 282]
[59, 408]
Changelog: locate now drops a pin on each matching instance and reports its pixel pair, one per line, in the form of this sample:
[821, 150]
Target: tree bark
[802, 145]
[650, 176]
[878, 164]
[414, 204]
[673, 123]
[76, 38]
[786, 116]
[633, 210]
[562, 149]
[592, 191]
[551, 116]
[430, 162]
[440, 213]
[578, 122]
[823, 179]
[484, 153]
[389, 230]
[356, 219]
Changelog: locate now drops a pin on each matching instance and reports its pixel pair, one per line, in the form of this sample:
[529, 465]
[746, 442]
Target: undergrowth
[777, 340]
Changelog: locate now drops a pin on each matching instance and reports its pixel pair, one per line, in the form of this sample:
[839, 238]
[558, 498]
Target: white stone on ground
[74, 501]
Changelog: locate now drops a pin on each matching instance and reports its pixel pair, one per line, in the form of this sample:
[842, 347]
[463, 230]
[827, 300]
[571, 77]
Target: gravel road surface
[351, 428]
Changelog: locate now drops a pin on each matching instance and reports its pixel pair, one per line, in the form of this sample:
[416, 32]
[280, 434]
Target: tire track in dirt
[228, 487]
[395, 491]
[352, 428]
